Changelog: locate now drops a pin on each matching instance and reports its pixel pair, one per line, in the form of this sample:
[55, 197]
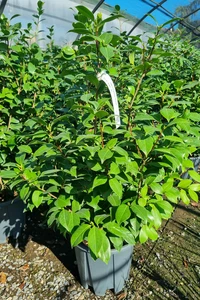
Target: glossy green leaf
[62, 201]
[85, 11]
[105, 251]
[105, 154]
[114, 200]
[25, 148]
[145, 145]
[155, 73]
[132, 58]
[99, 180]
[195, 187]
[117, 242]
[143, 236]
[37, 198]
[68, 50]
[8, 174]
[24, 191]
[169, 113]
[184, 197]
[31, 68]
[69, 220]
[194, 175]
[116, 186]
[140, 211]
[122, 213]
[114, 168]
[79, 234]
[172, 195]
[95, 240]
[107, 52]
[157, 220]
[184, 183]
[106, 38]
[193, 195]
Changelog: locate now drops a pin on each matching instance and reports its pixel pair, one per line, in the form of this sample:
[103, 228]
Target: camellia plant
[103, 185]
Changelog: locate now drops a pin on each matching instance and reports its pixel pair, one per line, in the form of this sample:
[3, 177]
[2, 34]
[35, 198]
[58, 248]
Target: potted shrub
[24, 98]
[108, 187]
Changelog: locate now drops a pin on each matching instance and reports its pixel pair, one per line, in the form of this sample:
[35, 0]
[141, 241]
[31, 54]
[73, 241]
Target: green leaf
[85, 12]
[152, 234]
[140, 211]
[122, 213]
[98, 219]
[164, 206]
[24, 192]
[31, 68]
[101, 114]
[37, 198]
[84, 213]
[62, 201]
[114, 169]
[76, 206]
[106, 38]
[7, 174]
[114, 228]
[155, 73]
[184, 183]
[68, 50]
[104, 154]
[114, 200]
[99, 180]
[79, 234]
[95, 240]
[156, 187]
[194, 175]
[193, 195]
[107, 52]
[116, 186]
[145, 145]
[20, 157]
[184, 197]
[131, 90]
[143, 236]
[195, 187]
[173, 139]
[157, 220]
[128, 236]
[172, 195]
[132, 58]
[111, 143]
[41, 150]
[25, 148]
[132, 167]
[105, 251]
[169, 113]
[117, 242]
[68, 219]
[73, 171]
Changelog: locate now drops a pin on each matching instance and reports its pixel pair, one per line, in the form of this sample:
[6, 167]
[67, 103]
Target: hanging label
[108, 81]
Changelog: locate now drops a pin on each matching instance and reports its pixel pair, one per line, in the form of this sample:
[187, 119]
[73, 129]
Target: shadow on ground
[166, 269]
[170, 267]
[37, 231]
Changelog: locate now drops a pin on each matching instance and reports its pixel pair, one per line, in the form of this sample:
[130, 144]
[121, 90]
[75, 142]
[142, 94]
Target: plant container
[12, 219]
[101, 276]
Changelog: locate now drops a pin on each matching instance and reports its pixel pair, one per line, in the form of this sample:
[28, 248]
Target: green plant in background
[103, 185]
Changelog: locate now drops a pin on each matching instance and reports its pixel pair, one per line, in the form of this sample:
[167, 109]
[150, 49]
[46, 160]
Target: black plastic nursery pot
[101, 276]
[12, 219]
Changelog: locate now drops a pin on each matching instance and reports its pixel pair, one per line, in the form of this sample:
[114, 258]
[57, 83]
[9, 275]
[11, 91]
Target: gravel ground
[43, 266]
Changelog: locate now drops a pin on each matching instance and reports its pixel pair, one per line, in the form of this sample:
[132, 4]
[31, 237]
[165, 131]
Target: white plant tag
[108, 81]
